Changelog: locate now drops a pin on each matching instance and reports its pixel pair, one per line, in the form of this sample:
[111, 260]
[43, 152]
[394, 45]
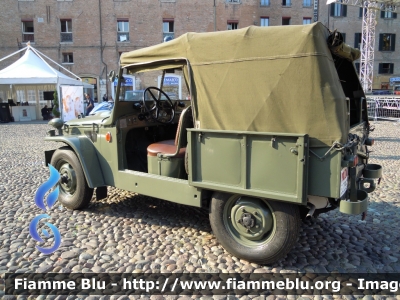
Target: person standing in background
[90, 104]
[105, 98]
[45, 113]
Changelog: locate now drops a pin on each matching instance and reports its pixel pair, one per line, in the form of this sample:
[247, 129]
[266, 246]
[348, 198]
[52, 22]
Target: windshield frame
[151, 66]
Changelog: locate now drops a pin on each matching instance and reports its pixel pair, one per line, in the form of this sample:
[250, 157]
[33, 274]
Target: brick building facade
[87, 37]
[387, 33]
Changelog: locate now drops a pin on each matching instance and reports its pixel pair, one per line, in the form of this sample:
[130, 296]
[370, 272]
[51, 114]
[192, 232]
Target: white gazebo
[30, 81]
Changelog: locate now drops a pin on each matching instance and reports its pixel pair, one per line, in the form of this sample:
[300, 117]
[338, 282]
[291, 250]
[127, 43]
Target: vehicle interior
[352, 89]
[152, 122]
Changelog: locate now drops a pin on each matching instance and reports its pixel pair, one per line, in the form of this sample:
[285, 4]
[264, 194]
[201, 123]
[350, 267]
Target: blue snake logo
[51, 200]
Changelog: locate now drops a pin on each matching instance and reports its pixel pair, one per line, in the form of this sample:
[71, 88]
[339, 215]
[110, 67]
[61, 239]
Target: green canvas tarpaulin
[264, 79]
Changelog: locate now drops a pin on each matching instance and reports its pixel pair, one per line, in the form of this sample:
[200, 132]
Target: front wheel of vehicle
[257, 230]
[74, 190]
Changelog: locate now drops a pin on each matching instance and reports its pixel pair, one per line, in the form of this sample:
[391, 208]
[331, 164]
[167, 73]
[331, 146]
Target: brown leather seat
[177, 147]
[165, 147]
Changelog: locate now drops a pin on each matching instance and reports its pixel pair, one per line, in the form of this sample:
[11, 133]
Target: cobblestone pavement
[132, 233]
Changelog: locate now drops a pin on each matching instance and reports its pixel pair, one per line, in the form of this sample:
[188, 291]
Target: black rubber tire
[287, 226]
[82, 194]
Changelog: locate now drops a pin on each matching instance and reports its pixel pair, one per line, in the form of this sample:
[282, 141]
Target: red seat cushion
[165, 147]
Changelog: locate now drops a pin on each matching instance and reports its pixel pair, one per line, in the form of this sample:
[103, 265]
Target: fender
[87, 155]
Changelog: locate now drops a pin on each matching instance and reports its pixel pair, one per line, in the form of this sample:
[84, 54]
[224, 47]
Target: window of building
[27, 31]
[361, 12]
[232, 25]
[357, 40]
[41, 95]
[387, 42]
[344, 36]
[264, 21]
[285, 21]
[21, 96]
[31, 96]
[264, 3]
[386, 68]
[388, 15]
[122, 30]
[306, 3]
[286, 2]
[306, 21]
[66, 30]
[168, 30]
[233, 1]
[338, 10]
[68, 58]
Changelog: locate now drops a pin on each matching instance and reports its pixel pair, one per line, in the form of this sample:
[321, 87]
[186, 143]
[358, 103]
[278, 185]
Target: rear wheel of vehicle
[74, 190]
[258, 230]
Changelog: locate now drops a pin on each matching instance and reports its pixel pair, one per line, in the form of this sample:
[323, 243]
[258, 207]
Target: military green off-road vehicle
[272, 128]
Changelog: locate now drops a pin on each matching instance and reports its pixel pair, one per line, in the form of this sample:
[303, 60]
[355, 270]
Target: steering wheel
[161, 108]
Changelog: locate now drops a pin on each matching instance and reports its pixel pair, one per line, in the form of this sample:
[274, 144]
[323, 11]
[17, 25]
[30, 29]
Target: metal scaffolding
[370, 9]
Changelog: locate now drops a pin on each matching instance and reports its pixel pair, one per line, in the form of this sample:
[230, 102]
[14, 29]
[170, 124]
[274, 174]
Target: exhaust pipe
[311, 211]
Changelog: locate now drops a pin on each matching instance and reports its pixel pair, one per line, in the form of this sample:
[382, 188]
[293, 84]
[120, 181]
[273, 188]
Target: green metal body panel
[324, 176]
[167, 188]
[268, 165]
[107, 154]
[87, 155]
[166, 166]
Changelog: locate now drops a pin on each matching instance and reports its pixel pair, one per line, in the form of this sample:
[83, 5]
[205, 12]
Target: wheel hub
[64, 179]
[247, 220]
[251, 218]
[67, 178]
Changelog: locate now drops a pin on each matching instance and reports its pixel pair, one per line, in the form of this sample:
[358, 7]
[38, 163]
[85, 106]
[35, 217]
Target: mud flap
[101, 192]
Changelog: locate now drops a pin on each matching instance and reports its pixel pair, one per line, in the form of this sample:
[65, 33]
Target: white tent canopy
[32, 69]
[29, 77]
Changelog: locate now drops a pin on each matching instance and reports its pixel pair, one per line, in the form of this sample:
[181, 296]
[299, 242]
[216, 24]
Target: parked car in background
[102, 107]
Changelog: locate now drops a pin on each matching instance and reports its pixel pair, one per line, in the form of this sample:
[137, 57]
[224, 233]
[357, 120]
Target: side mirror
[111, 76]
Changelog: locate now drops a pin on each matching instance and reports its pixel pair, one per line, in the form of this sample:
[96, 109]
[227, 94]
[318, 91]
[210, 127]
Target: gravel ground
[132, 233]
